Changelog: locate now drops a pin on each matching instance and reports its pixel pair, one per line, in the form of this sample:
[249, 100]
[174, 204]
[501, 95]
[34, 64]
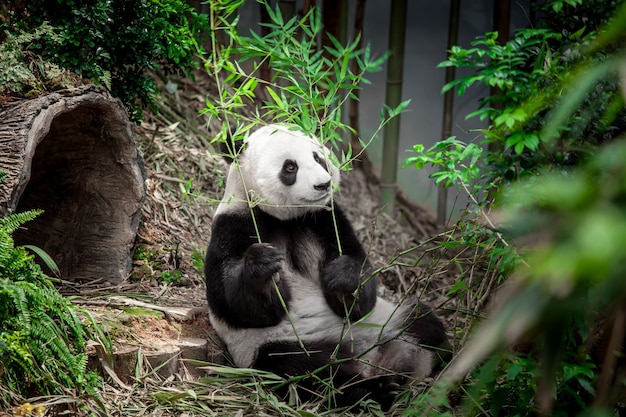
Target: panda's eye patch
[290, 166]
[289, 172]
[320, 161]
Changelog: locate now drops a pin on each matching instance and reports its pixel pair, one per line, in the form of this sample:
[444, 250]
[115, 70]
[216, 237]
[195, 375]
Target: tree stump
[72, 153]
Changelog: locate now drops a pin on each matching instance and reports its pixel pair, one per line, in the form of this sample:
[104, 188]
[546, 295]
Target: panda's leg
[429, 330]
[325, 371]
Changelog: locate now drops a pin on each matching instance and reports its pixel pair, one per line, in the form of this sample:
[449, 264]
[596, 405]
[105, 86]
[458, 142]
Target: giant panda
[289, 286]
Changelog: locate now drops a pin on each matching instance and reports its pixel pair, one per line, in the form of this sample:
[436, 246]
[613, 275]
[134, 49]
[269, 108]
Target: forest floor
[163, 303]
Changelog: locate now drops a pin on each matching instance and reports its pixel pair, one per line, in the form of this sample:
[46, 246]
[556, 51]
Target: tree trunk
[72, 153]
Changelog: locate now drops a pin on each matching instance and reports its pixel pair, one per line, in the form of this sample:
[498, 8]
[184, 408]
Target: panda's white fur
[293, 239]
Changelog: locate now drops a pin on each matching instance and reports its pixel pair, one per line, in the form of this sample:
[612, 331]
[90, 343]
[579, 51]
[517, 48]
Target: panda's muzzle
[322, 187]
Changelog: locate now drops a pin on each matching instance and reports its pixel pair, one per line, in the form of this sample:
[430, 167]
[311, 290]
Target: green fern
[12, 222]
[42, 339]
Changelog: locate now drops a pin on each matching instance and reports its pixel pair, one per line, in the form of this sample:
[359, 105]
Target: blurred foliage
[112, 42]
[556, 169]
[563, 312]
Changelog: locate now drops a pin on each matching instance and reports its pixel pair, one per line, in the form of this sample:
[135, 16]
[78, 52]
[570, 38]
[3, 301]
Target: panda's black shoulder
[233, 225]
[321, 217]
[332, 222]
[336, 217]
[231, 221]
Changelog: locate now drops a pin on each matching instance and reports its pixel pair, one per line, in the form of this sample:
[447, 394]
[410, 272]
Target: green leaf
[587, 386]
[457, 287]
[47, 259]
[557, 6]
[399, 108]
[275, 97]
[513, 371]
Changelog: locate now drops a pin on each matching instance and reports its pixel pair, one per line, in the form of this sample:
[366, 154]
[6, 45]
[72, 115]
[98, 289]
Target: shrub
[28, 74]
[531, 72]
[115, 42]
[561, 158]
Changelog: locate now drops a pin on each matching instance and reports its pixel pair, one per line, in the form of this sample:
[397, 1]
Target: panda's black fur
[277, 243]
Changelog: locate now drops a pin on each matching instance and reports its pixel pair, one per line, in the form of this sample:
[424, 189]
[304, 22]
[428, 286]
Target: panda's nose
[322, 187]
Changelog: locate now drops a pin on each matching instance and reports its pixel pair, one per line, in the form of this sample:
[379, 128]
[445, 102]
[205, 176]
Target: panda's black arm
[239, 275]
[346, 274]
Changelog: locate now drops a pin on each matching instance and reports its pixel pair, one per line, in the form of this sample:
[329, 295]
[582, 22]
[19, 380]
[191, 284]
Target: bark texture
[72, 153]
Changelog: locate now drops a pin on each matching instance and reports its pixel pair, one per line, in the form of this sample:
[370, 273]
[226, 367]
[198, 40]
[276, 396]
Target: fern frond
[12, 222]
[14, 300]
[42, 338]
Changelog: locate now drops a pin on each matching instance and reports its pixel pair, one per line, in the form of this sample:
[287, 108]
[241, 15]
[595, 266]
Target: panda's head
[284, 171]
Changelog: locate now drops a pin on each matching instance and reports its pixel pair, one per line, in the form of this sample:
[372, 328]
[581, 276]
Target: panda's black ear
[229, 148]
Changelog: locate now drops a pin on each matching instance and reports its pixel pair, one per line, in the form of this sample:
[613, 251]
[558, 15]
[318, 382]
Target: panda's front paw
[262, 261]
[341, 275]
[349, 287]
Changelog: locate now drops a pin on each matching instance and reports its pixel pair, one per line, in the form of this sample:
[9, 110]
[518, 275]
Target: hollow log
[72, 153]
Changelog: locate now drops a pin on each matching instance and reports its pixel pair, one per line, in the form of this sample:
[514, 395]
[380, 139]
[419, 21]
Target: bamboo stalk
[393, 97]
[448, 107]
